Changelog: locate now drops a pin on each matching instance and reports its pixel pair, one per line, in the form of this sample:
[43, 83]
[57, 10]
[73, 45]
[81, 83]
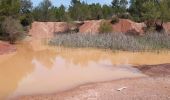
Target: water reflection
[64, 74]
[18, 65]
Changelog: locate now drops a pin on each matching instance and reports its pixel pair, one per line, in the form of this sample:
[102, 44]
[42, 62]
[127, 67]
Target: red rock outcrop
[6, 48]
[90, 27]
[123, 26]
[129, 27]
[47, 29]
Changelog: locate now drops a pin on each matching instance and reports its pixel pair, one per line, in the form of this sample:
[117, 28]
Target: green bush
[26, 20]
[114, 20]
[105, 27]
[12, 28]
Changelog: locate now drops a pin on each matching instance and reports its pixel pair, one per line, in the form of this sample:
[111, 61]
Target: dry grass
[153, 41]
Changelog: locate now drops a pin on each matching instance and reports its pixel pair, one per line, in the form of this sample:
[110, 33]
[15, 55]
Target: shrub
[12, 28]
[124, 15]
[114, 20]
[150, 26]
[26, 20]
[105, 27]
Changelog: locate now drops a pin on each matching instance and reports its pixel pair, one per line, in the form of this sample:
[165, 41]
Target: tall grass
[153, 41]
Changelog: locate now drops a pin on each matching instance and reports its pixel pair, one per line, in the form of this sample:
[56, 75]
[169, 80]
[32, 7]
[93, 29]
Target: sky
[67, 2]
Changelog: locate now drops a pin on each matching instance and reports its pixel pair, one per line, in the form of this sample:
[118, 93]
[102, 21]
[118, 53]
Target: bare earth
[6, 48]
[154, 87]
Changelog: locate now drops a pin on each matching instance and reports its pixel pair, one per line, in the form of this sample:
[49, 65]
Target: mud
[161, 70]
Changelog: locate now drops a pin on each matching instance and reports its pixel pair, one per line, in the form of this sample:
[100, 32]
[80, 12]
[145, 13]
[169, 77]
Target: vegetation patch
[105, 27]
[153, 41]
[12, 28]
[114, 20]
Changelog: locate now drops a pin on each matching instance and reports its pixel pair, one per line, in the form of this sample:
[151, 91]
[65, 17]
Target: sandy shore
[154, 87]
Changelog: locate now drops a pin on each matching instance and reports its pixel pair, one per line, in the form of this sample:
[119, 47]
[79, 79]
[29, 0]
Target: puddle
[65, 74]
[29, 72]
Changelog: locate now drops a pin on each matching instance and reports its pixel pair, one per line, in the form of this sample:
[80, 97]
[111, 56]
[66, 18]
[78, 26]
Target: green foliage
[136, 9]
[95, 11]
[9, 8]
[12, 14]
[107, 11]
[25, 6]
[12, 28]
[142, 10]
[26, 17]
[164, 10]
[151, 10]
[79, 11]
[44, 11]
[105, 27]
[60, 13]
[119, 6]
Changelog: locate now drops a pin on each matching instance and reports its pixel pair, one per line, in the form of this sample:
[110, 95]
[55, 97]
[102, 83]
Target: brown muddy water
[50, 70]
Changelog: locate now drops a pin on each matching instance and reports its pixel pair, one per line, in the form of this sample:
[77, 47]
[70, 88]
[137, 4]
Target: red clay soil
[123, 26]
[47, 29]
[6, 48]
[166, 27]
[91, 26]
[128, 26]
[155, 70]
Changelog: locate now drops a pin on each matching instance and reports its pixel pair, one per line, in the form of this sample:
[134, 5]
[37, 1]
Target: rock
[129, 27]
[6, 48]
[120, 89]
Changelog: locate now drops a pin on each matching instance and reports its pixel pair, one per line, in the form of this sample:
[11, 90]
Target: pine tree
[26, 12]
[107, 11]
[75, 9]
[10, 8]
[44, 11]
[119, 6]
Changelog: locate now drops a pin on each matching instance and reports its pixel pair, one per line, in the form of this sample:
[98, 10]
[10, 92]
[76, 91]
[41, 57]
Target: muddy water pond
[50, 70]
